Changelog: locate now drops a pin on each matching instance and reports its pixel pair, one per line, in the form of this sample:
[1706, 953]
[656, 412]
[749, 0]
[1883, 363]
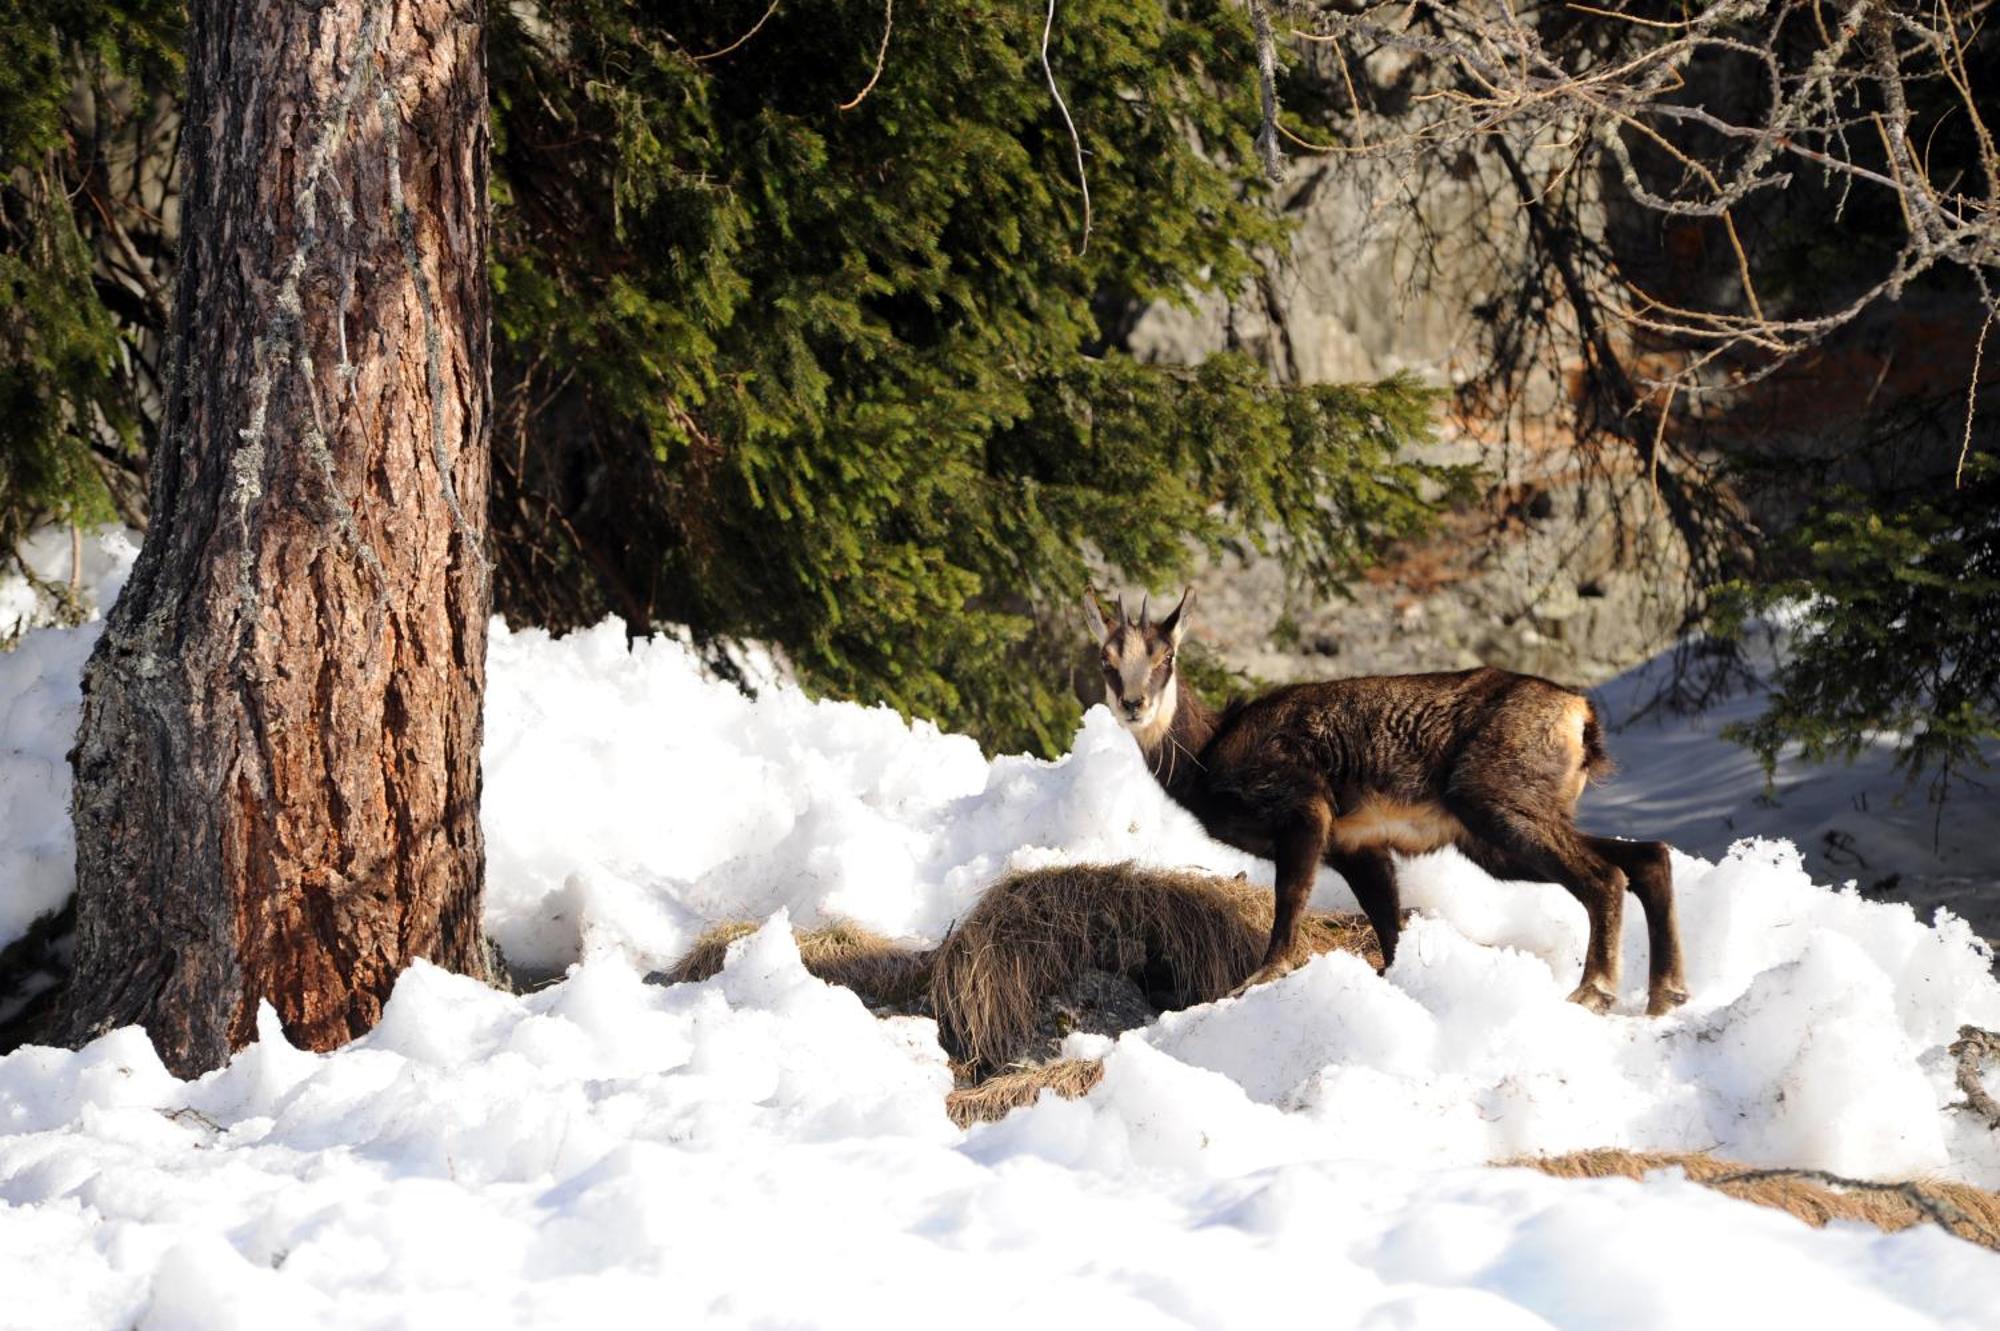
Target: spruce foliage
[1893, 630]
[854, 365]
[62, 398]
[778, 360]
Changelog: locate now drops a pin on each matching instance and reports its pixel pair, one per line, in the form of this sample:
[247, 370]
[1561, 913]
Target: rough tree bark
[277, 774]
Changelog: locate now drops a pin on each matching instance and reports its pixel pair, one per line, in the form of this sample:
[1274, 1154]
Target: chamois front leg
[1296, 848]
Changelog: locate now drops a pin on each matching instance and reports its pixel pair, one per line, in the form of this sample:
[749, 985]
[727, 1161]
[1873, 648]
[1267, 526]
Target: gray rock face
[1579, 593]
[1571, 576]
[1372, 285]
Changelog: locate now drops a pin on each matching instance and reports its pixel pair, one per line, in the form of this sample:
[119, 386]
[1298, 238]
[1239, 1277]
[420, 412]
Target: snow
[760, 1150]
[630, 802]
[1863, 822]
[39, 705]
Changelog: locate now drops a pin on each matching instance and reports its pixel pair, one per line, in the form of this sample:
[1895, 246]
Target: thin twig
[1972, 1047]
[881, 55]
[756, 28]
[1076, 140]
[1660, 438]
[1971, 400]
[1308, 144]
[1673, 26]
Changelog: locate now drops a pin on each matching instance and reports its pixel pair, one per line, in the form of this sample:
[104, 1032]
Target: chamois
[1348, 770]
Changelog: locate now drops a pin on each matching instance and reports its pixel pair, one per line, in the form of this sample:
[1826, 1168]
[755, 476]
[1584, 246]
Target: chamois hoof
[1665, 998]
[1593, 995]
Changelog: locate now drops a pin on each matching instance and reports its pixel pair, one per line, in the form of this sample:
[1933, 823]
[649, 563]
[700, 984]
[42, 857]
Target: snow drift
[758, 1149]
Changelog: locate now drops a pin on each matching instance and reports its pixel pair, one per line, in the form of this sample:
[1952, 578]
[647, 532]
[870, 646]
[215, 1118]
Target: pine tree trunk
[277, 775]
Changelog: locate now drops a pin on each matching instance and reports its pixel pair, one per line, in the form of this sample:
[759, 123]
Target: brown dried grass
[1810, 1195]
[881, 972]
[1186, 937]
[991, 1100]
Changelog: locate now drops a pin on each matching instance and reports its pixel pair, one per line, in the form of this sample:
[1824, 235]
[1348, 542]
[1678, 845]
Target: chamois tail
[1598, 763]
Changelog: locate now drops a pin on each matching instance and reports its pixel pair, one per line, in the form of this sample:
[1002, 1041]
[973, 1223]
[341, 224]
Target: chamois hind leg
[1297, 848]
[1371, 876]
[1649, 870]
[1513, 844]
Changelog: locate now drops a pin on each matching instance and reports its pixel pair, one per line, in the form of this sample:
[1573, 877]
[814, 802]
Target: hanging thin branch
[1076, 140]
[881, 54]
[758, 27]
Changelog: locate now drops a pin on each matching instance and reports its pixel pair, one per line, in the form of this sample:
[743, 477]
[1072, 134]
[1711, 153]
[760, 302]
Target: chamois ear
[1093, 615]
[1174, 626]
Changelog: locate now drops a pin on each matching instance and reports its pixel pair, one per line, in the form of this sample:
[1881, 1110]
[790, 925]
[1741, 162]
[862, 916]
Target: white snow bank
[39, 704]
[1865, 821]
[90, 565]
[1818, 1042]
[758, 1150]
[630, 802]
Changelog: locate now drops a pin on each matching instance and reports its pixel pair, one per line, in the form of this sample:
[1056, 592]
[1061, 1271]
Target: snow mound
[40, 701]
[630, 802]
[758, 1149]
[1826, 1051]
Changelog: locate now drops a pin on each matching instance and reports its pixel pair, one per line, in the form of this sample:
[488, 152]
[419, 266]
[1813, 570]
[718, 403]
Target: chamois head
[1137, 657]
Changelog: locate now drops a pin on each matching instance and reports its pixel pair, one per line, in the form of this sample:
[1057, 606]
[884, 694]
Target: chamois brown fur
[1347, 771]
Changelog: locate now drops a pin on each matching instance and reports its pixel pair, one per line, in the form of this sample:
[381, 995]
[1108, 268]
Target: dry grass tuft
[1810, 1195]
[990, 1101]
[882, 973]
[1186, 938]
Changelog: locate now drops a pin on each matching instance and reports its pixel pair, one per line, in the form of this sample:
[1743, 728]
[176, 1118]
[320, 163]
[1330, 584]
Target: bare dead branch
[758, 27]
[1268, 151]
[1076, 140]
[881, 55]
[1972, 1048]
